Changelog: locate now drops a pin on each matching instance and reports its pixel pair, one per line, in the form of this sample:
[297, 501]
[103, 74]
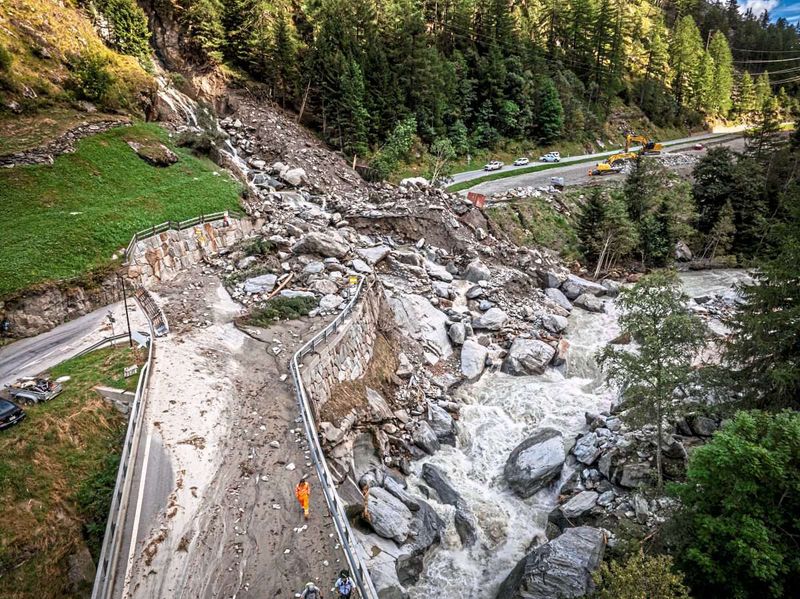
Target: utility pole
[125, 301]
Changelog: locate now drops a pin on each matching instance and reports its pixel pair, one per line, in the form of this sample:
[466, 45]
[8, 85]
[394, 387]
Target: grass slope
[534, 222]
[51, 504]
[58, 221]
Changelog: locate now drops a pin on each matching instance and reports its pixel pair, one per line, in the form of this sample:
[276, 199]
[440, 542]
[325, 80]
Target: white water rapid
[499, 412]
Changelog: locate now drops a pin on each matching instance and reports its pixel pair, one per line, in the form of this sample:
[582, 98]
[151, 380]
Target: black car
[10, 414]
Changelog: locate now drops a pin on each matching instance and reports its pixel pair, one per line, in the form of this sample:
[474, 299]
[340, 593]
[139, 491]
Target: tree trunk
[659, 432]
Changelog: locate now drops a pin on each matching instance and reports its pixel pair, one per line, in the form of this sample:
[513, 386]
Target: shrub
[742, 506]
[259, 247]
[130, 34]
[640, 577]
[94, 502]
[281, 308]
[6, 58]
[91, 78]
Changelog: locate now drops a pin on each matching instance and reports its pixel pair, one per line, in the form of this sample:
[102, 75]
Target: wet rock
[477, 271]
[294, 176]
[682, 252]
[375, 254]
[586, 450]
[260, 284]
[535, 462]
[491, 320]
[590, 303]
[423, 322]
[424, 438]
[473, 358]
[387, 515]
[554, 323]
[437, 271]
[558, 298]
[457, 333]
[378, 409]
[396, 489]
[426, 530]
[635, 475]
[442, 424]
[612, 287]
[575, 286]
[562, 567]
[702, 426]
[323, 244]
[579, 504]
[464, 520]
[527, 357]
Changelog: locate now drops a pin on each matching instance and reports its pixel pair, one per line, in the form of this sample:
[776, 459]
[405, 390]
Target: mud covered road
[227, 418]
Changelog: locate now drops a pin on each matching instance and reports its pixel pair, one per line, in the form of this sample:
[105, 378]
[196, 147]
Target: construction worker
[311, 591]
[343, 585]
[302, 491]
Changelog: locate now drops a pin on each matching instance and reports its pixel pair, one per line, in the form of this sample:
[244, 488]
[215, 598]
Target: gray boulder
[442, 424]
[465, 523]
[558, 298]
[702, 426]
[375, 254]
[575, 286]
[474, 292]
[260, 284]
[535, 462]
[612, 287]
[457, 333]
[313, 268]
[527, 357]
[579, 504]
[586, 450]
[437, 271]
[378, 409]
[426, 530]
[423, 322]
[560, 568]
[554, 323]
[590, 303]
[387, 515]
[323, 244]
[294, 176]
[491, 320]
[635, 475]
[477, 271]
[330, 302]
[361, 267]
[473, 358]
[424, 438]
[549, 279]
[442, 289]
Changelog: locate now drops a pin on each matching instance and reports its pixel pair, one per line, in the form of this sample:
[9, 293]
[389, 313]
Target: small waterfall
[180, 103]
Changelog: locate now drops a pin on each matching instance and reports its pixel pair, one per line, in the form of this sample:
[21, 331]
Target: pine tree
[763, 90]
[282, 60]
[686, 53]
[353, 117]
[745, 97]
[549, 112]
[723, 74]
[765, 138]
[704, 99]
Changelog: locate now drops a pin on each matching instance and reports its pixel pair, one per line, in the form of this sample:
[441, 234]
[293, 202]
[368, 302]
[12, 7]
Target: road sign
[353, 280]
[129, 371]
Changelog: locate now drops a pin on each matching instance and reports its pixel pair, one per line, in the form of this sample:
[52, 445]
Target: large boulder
[377, 407]
[558, 298]
[554, 323]
[578, 511]
[260, 284]
[330, 302]
[323, 244]
[535, 462]
[575, 286]
[387, 515]
[437, 271]
[374, 254]
[415, 315]
[442, 424]
[491, 320]
[527, 356]
[477, 271]
[294, 176]
[473, 358]
[457, 333]
[560, 568]
[426, 530]
[590, 303]
[635, 475]
[587, 449]
[465, 523]
[424, 438]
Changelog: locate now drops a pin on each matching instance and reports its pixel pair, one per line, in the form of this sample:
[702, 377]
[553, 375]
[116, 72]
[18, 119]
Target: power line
[748, 61]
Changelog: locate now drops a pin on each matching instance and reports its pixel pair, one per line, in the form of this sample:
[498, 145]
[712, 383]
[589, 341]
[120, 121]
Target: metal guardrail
[109, 553]
[347, 539]
[174, 226]
[103, 342]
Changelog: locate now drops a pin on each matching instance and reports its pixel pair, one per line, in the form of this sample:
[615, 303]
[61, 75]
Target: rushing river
[499, 412]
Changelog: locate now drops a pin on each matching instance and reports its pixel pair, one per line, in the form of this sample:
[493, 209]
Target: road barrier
[102, 343]
[347, 539]
[109, 553]
[175, 225]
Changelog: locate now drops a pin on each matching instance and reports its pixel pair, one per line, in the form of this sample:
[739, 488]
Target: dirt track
[231, 527]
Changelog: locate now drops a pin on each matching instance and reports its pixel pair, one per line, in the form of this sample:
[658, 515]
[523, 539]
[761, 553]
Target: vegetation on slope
[50, 503]
[63, 219]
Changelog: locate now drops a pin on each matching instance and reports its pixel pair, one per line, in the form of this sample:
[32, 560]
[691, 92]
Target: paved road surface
[470, 175]
[33, 355]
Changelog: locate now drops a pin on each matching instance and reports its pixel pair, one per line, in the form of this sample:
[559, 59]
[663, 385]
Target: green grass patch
[280, 308]
[534, 222]
[61, 220]
[55, 473]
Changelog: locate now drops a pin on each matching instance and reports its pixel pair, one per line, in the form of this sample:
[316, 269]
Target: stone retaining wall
[163, 256]
[346, 355]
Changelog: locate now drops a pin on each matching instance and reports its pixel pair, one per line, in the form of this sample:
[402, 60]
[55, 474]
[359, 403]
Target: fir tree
[722, 87]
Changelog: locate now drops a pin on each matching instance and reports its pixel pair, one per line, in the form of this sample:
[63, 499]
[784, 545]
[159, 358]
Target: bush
[94, 502]
[91, 79]
[640, 577]
[281, 308]
[259, 247]
[742, 506]
[130, 34]
[6, 58]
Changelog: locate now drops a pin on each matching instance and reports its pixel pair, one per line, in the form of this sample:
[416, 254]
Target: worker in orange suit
[302, 492]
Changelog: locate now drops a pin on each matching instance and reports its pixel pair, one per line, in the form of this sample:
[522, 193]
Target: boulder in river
[442, 424]
[535, 462]
[477, 271]
[424, 438]
[590, 303]
[560, 568]
[558, 298]
[575, 286]
[465, 523]
[554, 323]
[492, 320]
[473, 358]
[528, 356]
[387, 515]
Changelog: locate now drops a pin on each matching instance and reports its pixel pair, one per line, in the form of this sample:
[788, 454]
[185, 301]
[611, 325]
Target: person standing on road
[311, 591]
[303, 491]
[343, 585]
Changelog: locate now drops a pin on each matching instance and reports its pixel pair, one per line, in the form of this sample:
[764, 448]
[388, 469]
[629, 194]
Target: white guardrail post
[347, 539]
[109, 553]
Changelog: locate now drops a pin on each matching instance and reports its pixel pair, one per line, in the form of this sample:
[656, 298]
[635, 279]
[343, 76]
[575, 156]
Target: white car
[521, 162]
[494, 165]
[551, 157]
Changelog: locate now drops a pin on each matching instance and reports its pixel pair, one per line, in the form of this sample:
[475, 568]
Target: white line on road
[137, 514]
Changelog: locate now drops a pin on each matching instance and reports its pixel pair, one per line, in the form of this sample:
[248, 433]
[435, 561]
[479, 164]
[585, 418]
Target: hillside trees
[722, 87]
[686, 55]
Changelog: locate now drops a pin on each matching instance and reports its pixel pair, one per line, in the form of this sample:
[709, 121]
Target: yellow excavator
[613, 164]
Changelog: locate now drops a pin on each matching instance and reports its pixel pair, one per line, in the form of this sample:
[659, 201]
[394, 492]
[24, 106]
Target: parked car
[10, 414]
[521, 162]
[494, 165]
[551, 157]
[699, 146]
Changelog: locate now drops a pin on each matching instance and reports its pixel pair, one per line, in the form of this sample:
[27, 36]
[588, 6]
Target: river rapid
[499, 411]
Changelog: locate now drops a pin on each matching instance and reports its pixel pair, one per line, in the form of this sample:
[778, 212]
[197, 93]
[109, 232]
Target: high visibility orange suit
[302, 491]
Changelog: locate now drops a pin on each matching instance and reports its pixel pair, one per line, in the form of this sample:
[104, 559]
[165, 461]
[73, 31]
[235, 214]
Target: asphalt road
[470, 175]
[33, 355]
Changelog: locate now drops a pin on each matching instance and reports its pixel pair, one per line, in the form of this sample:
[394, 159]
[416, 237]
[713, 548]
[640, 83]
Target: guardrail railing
[104, 341]
[109, 553]
[347, 539]
[175, 225]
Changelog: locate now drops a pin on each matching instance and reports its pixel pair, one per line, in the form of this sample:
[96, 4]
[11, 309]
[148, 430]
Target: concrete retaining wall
[346, 355]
